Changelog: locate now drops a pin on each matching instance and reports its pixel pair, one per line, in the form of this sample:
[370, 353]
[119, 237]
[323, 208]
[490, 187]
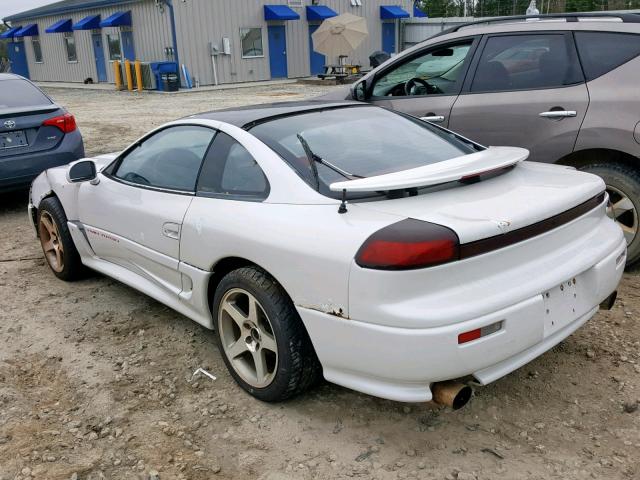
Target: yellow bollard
[128, 73]
[138, 68]
[117, 75]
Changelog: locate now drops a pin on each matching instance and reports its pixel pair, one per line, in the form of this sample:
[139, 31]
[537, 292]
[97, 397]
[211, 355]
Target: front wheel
[623, 187]
[261, 336]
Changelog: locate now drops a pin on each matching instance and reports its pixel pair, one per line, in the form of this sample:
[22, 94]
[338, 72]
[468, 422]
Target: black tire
[71, 267]
[297, 367]
[623, 179]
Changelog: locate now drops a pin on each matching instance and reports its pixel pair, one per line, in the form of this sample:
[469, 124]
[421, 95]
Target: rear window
[601, 52]
[360, 141]
[17, 93]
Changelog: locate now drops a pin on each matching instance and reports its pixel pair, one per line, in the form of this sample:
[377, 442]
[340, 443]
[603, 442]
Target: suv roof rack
[569, 17]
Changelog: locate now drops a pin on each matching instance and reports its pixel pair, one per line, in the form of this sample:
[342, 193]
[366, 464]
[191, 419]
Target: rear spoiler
[454, 169]
[22, 111]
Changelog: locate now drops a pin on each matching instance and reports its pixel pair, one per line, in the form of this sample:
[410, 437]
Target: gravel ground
[95, 378]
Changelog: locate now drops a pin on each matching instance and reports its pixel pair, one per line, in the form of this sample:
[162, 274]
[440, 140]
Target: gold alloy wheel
[51, 242]
[247, 338]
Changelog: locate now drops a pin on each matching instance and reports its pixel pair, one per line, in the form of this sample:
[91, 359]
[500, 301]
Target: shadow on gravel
[14, 201]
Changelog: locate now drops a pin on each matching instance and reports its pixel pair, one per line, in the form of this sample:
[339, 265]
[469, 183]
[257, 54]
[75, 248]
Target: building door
[18, 59]
[98, 52]
[128, 49]
[277, 51]
[389, 37]
[317, 60]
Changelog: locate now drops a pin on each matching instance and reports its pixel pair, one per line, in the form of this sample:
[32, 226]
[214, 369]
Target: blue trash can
[160, 68]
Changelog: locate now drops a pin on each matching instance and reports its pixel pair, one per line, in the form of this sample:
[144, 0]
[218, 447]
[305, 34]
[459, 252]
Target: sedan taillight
[409, 244]
[66, 122]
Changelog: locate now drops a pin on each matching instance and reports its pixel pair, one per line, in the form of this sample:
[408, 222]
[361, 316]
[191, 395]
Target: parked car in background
[563, 86]
[35, 133]
[342, 239]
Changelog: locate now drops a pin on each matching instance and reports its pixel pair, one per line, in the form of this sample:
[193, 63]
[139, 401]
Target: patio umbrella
[340, 35]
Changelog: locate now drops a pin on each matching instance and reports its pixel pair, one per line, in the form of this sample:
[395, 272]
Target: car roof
[245, 117]
[10, 76]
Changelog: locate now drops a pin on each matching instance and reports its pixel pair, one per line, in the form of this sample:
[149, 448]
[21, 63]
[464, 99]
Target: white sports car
[341, 240]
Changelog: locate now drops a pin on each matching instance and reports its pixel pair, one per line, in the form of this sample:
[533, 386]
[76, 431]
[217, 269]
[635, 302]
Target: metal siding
[202, 21]
[151, 34]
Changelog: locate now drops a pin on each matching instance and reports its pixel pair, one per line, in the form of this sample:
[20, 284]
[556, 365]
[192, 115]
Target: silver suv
[564, 86]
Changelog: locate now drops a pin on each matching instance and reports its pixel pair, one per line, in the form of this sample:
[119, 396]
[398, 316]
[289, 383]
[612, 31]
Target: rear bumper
[18, 171]
[401, 363]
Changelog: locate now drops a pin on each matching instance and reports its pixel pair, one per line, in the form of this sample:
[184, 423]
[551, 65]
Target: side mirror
[359, 91]
[82, 171]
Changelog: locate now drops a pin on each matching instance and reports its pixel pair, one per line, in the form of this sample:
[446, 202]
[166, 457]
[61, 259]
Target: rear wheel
[261, 337]
[57, 245]
[623, 187]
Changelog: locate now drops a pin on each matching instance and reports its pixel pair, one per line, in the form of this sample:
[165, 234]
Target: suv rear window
[362, 140]
[17, 93]
[601, 52]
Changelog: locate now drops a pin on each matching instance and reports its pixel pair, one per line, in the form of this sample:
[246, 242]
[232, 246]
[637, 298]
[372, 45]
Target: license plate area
[13, 139]
[563, 304]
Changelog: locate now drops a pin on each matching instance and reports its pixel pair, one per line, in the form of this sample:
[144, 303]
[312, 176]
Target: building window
[251, 39]
[37, 50]
[70, 45]
[296, 3]
[115, 52]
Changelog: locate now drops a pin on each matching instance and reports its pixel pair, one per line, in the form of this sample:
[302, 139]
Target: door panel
[18, 59]
[317, 61]
[513, 119]
[128, 48]
[98, 52]
[133, 227]
[436, 106]
[389, 37]
[278, 51]
[527, 90]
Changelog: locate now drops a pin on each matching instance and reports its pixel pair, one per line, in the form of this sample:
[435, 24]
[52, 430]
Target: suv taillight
[66, 122]
[409, 244]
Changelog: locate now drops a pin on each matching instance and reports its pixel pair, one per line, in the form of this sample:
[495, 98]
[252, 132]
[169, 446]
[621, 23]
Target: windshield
[363, 141]
[19, 93]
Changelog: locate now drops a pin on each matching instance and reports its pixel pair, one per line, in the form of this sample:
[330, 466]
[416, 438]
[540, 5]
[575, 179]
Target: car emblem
[10, 124]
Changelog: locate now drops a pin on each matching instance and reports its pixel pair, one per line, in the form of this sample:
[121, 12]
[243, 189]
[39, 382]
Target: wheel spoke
[261, 366]
[234, 313]
[48, 246]
[621, 206]
[58, 251]
[237, 348]
[629, 232]
[48, 225]
[267, 342]
[253, 309]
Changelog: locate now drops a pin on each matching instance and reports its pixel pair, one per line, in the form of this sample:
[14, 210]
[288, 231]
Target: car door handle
[558, 114]
[433, 118]
[171, 230]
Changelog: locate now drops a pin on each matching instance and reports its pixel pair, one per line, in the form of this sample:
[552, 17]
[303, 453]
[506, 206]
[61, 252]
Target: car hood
[529, 193]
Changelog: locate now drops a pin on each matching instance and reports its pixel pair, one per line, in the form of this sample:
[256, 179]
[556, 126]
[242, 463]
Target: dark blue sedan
[35, 133]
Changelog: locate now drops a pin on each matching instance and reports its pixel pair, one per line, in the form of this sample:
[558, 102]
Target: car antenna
[313, 158]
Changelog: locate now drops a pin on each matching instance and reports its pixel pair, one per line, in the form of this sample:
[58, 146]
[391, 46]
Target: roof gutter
[35, 13]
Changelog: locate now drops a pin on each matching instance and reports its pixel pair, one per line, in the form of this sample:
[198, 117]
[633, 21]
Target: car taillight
[66, 122]
[409, 244]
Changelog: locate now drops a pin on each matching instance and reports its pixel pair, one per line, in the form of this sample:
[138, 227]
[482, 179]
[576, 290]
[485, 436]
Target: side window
[436, 72]
[524, 62]
[601, 52]
[230, 170]
[169, 159]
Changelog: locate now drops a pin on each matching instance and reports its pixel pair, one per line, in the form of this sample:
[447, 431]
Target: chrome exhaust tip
[454, 395]
[608, 302]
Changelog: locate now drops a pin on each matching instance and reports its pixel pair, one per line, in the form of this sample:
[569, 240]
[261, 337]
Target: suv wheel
[623, 187]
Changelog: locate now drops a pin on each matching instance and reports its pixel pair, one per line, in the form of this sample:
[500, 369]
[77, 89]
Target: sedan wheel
[247, 338]
[51, 242]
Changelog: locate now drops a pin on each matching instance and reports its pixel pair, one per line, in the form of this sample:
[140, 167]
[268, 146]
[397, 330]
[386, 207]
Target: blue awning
[30, 30]
[91, 22]
[319, 12]
[279, 12]
[391, 12]
[118, 19]
[10, 33]
[417, 12]
[60, 27]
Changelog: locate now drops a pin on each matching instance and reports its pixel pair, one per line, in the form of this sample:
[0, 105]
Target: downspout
[174, 36]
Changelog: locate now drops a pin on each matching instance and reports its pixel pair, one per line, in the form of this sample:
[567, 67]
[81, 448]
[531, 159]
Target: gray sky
[9, 7]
